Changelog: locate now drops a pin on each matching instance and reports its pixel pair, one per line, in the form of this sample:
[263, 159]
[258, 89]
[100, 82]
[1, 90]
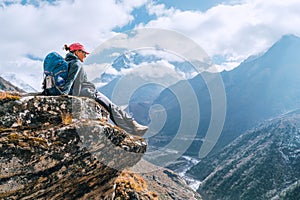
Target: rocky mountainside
[264, 163]
[63, 148]
[262, 87]
[24, 82]
[166, 183]
[7, 86]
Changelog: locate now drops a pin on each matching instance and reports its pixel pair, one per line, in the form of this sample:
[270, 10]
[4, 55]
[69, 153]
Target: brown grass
[66, 118]
[131, 181]
[10, 96]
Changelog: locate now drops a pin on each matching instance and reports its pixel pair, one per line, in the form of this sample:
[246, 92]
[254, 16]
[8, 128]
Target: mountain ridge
[19, 82]
[261, 163]
[260, 88]
[7, 86]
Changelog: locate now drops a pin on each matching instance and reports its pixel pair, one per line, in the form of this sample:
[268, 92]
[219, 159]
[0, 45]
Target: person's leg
[106, 103]
[120, 117]
[100, 98]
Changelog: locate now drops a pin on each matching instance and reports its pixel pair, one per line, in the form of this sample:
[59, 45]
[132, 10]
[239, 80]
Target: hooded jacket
[77, 83]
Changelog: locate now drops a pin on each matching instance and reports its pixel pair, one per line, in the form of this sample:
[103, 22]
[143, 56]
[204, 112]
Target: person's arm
[73, 73]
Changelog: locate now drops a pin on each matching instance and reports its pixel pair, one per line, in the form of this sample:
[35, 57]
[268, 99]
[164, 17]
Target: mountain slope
[7, 86]
[261, 164]
[21, 81]
[261, 88]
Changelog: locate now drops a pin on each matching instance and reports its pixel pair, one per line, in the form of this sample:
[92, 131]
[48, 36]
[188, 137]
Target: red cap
[78, 46]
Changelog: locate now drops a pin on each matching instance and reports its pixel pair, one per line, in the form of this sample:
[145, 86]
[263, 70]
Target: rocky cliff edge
[62, 148]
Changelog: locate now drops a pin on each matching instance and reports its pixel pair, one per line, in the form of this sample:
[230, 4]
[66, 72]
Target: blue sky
[201, 5]
[229, 31]
[141, 15]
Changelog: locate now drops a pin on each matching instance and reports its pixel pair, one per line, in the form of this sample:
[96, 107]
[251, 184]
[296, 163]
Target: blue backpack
[56, 73]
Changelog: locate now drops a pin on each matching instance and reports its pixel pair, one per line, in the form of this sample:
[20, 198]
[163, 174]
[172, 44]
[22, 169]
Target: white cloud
[95, 70]
[233, 31]
[30, 71]
[37, 30]
[40, 29]
[238, 30]
[160, 72]
[164, 55]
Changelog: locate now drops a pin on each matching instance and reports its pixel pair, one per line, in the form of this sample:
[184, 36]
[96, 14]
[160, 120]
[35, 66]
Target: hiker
[77, 84]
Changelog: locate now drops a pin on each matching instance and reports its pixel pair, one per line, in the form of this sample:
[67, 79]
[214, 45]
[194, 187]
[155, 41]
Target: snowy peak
[284, 52]
[280, 59]
[19, 82]
[7, 86]
[130, 62]
[122, 62]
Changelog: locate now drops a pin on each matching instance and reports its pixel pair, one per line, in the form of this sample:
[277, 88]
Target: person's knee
[86, 92]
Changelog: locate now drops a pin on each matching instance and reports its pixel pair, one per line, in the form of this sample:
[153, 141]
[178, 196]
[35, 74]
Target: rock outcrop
[61, 148]
[167, 184]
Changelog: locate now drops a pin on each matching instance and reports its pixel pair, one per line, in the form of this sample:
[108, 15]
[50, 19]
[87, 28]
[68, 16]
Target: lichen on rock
[61, 148]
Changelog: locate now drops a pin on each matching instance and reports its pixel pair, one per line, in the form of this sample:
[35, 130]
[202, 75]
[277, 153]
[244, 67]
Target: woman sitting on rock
[77, 84]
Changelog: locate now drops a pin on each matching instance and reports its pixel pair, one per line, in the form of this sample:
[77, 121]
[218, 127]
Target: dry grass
[25, 140]
[129, 181]
[66, 118]
[10, 96]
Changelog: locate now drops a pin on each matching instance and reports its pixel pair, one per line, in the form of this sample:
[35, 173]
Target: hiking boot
[139, 129]
[126, 122]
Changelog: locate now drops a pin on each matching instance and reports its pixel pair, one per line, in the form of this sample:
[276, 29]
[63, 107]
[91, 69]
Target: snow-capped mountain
[23, 82]
[260, 88]
[7, 86]
[151, 71]
[127, 62]
[262, 163]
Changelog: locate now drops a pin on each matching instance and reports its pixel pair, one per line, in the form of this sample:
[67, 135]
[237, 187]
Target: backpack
[56, 73]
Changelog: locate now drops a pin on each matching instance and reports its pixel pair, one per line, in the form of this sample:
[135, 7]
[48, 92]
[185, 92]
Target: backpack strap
[69, 66]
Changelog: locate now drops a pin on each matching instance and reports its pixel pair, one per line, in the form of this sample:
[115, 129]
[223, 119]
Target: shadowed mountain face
[261, 88]
[264, 163]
